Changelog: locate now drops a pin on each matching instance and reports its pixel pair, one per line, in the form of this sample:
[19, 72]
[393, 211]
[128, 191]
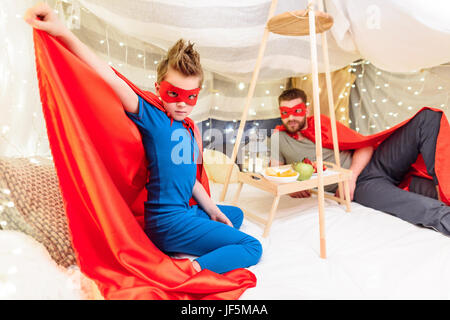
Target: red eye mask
[298, 110]
[170, 93]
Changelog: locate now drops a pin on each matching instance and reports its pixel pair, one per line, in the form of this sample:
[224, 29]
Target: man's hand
[42, 17]
[352, 187]
[219, 216]
[300, 194]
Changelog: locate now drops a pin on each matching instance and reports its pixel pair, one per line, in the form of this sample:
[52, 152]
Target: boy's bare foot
[196, 266]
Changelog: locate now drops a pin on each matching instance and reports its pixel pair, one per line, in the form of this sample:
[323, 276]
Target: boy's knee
[239, 218]
[255, 250]
[235, 214]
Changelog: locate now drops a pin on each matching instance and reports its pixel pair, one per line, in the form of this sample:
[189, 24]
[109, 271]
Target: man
[377, 173]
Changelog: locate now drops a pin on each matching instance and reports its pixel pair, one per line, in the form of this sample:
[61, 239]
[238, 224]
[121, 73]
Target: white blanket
[28, 272]
[371, 255]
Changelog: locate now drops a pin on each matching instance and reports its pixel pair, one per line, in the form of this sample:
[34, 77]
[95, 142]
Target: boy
[207, 230]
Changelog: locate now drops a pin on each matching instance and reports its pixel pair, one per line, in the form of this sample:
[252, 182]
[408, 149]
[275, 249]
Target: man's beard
[300, 125]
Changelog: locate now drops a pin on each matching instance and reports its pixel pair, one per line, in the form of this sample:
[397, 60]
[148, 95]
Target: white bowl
[280, 179]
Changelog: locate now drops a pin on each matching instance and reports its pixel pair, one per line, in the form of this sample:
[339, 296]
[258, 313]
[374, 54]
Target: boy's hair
[291, 94]
[183, 58]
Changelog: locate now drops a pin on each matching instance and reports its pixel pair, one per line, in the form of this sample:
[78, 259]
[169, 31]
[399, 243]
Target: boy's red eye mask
[298, 110]
[170, 93]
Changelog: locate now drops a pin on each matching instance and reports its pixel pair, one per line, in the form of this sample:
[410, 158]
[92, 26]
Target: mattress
[370, 254]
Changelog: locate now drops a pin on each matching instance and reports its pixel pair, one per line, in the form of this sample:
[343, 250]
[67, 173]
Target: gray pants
[376, 186]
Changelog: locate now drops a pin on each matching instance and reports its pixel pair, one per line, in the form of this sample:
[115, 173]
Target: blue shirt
[169, 149]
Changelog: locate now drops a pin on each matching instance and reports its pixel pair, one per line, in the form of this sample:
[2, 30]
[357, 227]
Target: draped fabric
[101, 166]
[228, 33]
[341, 81]
[382, 99]
[349, 139]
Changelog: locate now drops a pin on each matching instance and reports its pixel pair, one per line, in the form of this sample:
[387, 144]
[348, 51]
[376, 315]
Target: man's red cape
[349, 139]
[101, 166]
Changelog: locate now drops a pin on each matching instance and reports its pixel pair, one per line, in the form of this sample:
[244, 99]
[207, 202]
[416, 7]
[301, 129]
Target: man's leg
[376, 186]
[423, 186]
[394, 157]
[381, 194]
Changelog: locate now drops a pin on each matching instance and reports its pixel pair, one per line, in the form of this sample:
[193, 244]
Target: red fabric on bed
[101, 166]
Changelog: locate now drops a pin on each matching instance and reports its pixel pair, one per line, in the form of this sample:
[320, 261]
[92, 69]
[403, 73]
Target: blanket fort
[101, 166]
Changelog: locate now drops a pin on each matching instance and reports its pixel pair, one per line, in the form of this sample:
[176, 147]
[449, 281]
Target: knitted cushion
[30, 202]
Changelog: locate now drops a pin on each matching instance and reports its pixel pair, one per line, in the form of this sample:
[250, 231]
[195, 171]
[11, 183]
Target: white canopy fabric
[228, 33]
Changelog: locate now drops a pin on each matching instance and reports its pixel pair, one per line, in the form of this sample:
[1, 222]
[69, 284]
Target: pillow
[31, 202]
[216, 167]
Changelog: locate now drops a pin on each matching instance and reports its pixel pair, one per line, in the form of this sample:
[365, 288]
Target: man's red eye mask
[298, 110]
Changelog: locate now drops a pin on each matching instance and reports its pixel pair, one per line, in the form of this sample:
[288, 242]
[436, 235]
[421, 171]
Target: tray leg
[238, 192]
[271, 216]
[347, 195]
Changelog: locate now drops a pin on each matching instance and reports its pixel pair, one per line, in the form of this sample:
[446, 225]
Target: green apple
[305, 170]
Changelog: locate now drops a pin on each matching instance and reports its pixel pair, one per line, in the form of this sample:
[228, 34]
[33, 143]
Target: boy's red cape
[101, 166]
[349, 139]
